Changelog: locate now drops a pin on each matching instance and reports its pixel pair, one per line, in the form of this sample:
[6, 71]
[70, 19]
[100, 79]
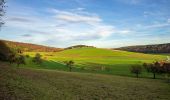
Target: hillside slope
[104, 53]
[157, 48]
[97, 60]
[29, 84]
[30, 47]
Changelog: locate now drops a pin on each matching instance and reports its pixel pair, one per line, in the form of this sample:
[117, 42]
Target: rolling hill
[28, 47]
[87, 59]
[96, 60]
[157, 48]
[51, 79]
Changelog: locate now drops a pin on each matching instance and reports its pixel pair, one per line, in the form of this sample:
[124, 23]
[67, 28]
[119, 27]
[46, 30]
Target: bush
[20, 60]
[37, 59]
[12, 58]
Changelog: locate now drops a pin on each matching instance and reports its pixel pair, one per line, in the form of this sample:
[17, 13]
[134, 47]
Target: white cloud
[132, 2]
[76, 17]
[169, 20]
[62, 27]
[124, 32]
[83, 22]
[158, 25]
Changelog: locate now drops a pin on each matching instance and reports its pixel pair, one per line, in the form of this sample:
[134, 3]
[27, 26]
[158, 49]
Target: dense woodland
[27, 47]
[158, 48]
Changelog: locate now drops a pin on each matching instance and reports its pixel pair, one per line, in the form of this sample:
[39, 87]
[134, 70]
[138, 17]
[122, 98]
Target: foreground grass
[38, 84]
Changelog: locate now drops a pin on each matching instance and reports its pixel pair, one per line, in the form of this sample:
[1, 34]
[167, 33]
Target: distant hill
[30, 47]
[157, 48]
[80, 46]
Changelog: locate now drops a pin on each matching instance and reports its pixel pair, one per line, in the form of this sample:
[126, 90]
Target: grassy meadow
[42, 84]
[94, 60]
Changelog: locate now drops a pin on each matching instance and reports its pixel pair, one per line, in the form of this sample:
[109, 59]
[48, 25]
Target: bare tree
[2, 12]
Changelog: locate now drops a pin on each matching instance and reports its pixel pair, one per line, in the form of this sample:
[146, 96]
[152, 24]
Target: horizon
[82, 44]
[104, 24]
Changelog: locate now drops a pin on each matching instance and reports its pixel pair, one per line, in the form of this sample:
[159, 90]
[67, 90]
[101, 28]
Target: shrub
[37, 59]
[20, 60]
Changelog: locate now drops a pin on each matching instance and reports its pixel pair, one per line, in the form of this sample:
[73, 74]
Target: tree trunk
[154, 75]
[137, 75]
[18, 65]
[70, 68]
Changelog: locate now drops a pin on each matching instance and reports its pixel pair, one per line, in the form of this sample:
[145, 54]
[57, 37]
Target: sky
[100, 23]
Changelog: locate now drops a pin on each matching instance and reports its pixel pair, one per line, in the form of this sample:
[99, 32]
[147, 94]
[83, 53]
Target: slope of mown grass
[98, 60]
[34, 84]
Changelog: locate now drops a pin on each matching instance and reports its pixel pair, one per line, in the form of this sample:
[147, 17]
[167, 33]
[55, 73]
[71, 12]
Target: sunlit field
[95, 60]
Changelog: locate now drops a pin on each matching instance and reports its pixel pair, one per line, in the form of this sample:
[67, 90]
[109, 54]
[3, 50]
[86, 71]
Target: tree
[154, 68]
[27, 56]
[166, 67]
[136, 69]
[12, 58]
[5, 51]
[69, 64]
[20, 60]
[37, 59]
[2, 12]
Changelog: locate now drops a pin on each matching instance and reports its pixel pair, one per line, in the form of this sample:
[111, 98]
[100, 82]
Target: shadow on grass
[116, 69]
[87, 67]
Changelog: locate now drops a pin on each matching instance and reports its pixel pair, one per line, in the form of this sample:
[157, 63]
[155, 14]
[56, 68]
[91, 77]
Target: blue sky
[101, 23]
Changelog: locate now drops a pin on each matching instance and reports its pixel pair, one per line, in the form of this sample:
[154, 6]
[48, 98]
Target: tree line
[159, 48]
[154, 68]
[80, 46]
[28, 47]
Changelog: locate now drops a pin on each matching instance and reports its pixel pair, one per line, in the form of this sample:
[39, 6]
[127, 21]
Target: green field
[95, 60]
[40, 84]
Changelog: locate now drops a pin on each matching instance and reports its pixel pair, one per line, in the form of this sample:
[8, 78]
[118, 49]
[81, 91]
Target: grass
[95, 60]
[41, 84]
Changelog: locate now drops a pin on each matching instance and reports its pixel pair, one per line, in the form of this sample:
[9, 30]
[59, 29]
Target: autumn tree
[154, 68]
[166, 67]
[136, 69]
